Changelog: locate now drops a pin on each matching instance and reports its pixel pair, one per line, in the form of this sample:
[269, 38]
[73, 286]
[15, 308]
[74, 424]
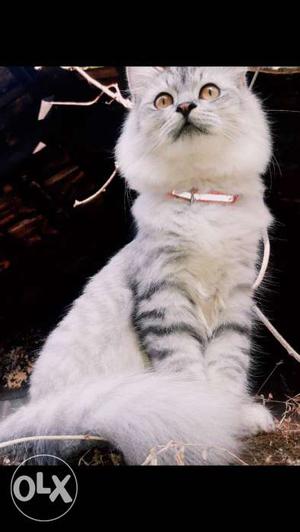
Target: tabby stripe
[163, 285]
[176, 328]
[154, 288]
[155, 313]
[235, 327]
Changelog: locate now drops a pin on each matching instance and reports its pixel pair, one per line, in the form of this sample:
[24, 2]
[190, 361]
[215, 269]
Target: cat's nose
[185, 108]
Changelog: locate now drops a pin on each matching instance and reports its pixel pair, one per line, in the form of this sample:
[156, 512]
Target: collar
[210, 197]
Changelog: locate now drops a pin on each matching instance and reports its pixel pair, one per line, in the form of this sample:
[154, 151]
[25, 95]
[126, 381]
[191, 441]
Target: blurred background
[49, 249]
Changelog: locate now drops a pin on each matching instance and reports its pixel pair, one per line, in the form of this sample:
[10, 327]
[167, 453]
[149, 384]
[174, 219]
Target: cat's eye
[163, 100]
[209, 92]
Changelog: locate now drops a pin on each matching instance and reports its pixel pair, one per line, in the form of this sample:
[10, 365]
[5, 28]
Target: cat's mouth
[189, 129]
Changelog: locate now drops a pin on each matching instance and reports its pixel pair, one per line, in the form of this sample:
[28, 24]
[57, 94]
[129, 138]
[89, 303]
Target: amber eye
[209, 92]
[163, 100]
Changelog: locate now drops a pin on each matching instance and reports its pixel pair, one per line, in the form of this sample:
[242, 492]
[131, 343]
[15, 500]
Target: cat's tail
[137, 414]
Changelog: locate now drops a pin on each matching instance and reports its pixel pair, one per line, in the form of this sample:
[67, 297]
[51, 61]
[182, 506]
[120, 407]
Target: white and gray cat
[157, 346]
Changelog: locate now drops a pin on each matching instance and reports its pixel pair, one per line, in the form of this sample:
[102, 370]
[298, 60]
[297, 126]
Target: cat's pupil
[209, 92]
[163, 100]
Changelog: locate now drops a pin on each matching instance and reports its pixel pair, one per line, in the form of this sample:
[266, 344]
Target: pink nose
[185, 108]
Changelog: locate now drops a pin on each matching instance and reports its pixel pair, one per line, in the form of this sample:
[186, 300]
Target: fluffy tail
[136, 414]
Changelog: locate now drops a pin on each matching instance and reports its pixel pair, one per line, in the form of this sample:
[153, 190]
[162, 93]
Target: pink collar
[209, 197]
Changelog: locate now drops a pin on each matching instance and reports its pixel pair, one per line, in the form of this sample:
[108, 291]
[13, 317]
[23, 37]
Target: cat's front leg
[165, 321]
[228, 356]
[228, 352]
[228, 359]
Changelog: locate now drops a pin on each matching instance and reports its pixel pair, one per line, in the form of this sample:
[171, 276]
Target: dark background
[48, 249]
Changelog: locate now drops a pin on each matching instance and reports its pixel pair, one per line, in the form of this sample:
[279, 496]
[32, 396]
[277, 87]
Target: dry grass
[281, 447]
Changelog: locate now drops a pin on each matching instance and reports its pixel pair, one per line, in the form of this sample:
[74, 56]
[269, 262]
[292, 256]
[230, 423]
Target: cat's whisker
[275, 161]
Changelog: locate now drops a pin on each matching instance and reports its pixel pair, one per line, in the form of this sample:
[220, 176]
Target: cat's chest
[223, 233]
[221, 253]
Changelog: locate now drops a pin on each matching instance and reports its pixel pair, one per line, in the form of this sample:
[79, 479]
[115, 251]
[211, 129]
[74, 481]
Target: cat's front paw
[257, 418]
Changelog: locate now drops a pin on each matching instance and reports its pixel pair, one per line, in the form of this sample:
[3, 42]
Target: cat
[157, 348]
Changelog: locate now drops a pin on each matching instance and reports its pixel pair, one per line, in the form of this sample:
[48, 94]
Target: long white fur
[92, 374]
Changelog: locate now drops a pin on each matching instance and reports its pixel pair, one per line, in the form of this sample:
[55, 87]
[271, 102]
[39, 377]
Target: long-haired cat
[157, 346]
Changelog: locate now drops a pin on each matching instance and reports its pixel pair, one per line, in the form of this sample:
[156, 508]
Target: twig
[98, 193]
[265, 262]
[288, 410]
[275, 70]
[232, 454]
[56, 437]
[270, 375]
[276, 334]
[259, 313]
[284, 110]
[254, 77]
[106, 88]
[90, 102]
[82, 460]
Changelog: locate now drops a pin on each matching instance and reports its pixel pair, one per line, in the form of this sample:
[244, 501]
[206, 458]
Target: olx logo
[44, 495]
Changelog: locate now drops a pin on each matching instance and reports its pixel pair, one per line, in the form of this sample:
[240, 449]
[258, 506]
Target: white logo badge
[42, 495]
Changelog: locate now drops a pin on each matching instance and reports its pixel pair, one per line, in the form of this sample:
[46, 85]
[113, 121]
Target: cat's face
[188, 122]
[179, 103]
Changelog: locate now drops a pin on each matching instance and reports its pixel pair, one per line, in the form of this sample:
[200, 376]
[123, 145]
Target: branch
[275, 70]
[99, 192]
[90, 102]
[277, 335]
[265, 262]
[106, 88]
[86, 437]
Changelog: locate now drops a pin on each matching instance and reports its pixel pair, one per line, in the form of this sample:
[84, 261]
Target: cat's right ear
[139, 77]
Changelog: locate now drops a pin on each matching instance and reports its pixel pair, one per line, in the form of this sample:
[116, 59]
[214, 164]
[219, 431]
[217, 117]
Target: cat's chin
[193, 146]
[189, 130]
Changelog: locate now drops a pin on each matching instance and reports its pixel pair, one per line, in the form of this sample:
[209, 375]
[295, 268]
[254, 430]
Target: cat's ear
[139, 77]
[240, 75]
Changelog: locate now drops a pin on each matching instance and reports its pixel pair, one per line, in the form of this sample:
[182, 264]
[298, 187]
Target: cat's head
[190, 125]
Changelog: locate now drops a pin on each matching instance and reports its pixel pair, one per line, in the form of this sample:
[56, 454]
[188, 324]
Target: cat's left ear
[240, 74]
[139, 77]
